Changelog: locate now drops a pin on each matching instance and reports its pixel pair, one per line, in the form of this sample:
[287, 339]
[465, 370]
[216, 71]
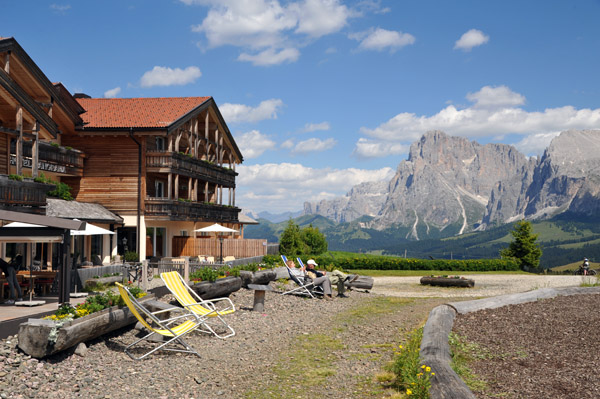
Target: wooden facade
[33, 115]
[166, 164]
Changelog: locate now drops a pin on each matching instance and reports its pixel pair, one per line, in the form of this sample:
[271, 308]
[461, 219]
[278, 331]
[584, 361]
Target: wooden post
[176, 188]
[206, 192]
[190, 194]
[7, 63]
[19, 150]
[186, 269]
[169, 185]
[35, 150]
[145, 274]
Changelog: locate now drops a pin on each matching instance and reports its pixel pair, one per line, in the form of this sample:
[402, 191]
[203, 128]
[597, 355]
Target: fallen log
[260, 277]
[447, 281]
[221, 287]
[40, 338]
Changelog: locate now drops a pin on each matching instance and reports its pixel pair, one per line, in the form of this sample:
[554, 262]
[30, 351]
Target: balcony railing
[24, 194]
[190, 167]
[166, 209]
[51, 158]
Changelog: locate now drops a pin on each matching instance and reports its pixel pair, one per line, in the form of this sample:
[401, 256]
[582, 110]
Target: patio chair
[304, 287]
[203, 308]
[188, 322]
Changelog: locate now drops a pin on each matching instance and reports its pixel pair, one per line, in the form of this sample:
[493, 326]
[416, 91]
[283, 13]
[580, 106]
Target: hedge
[393, 263]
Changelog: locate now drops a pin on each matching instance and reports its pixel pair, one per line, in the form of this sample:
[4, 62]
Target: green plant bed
[44, 337]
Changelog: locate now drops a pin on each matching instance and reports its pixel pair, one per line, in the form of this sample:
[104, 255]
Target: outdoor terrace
[172, 162]
[163, 208]
[26, 193]
[51, 158]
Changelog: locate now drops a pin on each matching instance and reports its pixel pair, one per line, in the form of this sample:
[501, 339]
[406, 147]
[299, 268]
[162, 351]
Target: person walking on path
[10, 270]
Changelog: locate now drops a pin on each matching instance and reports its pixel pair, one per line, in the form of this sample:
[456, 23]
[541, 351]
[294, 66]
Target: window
[184, 233]
[160, 143]
[159, 189]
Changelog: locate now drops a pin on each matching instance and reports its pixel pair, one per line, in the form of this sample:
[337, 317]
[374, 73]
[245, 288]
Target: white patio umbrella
[217, 228]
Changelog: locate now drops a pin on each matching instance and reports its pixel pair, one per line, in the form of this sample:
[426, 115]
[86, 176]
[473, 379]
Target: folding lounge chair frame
[206, 309]
[164, 328]
[306, 289]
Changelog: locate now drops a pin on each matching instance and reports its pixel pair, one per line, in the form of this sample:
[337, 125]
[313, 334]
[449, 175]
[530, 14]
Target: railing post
[186, 269]
[145, 274]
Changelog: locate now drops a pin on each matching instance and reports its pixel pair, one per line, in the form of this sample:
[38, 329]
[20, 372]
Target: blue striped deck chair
[305, 286]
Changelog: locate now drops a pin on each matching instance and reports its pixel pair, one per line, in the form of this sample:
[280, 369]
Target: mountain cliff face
[362, 199]
[450, 185]
[566, 179]
[446, 182]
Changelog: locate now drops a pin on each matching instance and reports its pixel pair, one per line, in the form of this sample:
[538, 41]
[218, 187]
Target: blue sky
[321, 95]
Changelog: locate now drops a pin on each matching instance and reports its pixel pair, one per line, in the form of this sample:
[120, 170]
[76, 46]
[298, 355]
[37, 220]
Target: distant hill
[564, 239]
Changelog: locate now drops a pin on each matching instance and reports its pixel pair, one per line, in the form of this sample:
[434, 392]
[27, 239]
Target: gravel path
[258, 362]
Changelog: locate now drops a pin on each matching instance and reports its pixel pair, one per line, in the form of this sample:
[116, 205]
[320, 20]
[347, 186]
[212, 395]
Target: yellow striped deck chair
[209, 309]
[188, 322]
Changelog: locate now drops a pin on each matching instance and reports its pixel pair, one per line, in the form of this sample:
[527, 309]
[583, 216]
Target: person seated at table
[10, 270]
[335, 277]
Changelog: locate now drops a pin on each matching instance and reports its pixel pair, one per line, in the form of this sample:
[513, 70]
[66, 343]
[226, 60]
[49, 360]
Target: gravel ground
[544, 349]
[252, 364]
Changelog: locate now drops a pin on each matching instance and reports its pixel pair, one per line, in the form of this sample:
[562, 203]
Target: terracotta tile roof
[136, 112]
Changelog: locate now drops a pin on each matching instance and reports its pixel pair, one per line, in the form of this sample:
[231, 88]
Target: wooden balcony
[166, 209]
[51, 158]
[23, 196]
[170, 162]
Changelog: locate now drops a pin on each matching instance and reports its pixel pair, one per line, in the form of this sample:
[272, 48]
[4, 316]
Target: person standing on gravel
[10, 271]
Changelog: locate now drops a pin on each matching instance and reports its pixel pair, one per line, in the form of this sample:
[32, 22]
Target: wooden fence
[239, 248]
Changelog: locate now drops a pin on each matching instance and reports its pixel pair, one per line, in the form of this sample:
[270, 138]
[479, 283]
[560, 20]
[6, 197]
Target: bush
[131, 256]
[394, 263]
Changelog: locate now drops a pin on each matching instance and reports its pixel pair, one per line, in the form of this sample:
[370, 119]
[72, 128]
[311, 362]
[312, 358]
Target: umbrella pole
[30, 272]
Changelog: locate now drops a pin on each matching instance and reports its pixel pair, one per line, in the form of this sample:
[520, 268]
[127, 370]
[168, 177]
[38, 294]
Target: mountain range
[450, 186]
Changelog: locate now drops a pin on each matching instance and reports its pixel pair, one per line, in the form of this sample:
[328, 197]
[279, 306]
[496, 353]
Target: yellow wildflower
[408, 392]
[428, 369]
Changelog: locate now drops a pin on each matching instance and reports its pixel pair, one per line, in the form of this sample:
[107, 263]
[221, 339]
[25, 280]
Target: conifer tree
[523, 248]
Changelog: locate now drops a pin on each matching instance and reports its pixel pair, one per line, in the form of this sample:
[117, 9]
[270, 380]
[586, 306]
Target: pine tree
[523, 248]
[315, 241]
[290, 242]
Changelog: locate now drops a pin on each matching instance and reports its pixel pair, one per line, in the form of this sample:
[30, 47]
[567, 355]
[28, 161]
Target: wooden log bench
[259, 296]
[448, 282]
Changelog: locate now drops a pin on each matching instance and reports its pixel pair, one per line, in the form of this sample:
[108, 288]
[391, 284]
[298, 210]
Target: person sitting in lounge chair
[319, 278]
[335, 277]
[296, 271]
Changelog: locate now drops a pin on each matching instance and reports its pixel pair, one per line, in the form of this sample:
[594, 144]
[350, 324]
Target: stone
[81, 349]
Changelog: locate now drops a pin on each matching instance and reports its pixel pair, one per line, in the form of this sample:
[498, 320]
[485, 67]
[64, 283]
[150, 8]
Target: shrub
[131, 256]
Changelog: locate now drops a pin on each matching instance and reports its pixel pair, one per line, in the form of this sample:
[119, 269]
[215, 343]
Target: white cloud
[60, 8]
[487, 117]
[382, 39]
[271, 56]
[253, 144]
[285, 186]
[313, 127]
[288, 144]
[495, 97]
[317, 18]
[164, 76]
[269, 32]
[240, 113]
[314, 145]
[535, 143]
[470, 39]
[376, 149]
[112, 93]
